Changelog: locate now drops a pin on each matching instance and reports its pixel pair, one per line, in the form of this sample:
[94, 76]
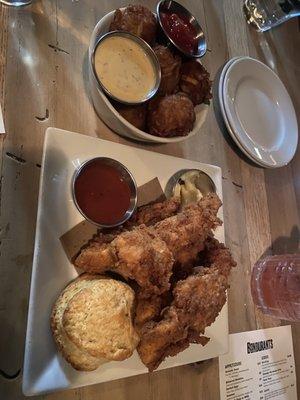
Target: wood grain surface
[43, 82]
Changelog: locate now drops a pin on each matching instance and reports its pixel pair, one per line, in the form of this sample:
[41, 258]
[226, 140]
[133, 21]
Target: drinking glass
[275, 286]
[266, 14]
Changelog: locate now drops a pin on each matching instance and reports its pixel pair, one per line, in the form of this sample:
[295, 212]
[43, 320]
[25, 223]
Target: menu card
[259, 366]
[2, 130]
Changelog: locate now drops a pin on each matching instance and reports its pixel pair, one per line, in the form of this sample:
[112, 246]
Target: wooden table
[43, 82]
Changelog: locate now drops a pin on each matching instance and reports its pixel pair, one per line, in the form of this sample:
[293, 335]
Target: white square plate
[44, 369]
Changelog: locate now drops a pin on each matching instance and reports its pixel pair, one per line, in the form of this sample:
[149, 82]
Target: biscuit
[91, 322]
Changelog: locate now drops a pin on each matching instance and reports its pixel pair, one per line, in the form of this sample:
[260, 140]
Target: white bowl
[110, 115]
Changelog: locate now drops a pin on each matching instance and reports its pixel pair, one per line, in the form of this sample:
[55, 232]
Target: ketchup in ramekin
[104, 192]
[180, 30]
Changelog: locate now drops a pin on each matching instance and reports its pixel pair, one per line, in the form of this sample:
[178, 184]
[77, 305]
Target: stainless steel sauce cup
[126, 175]
[150, 53]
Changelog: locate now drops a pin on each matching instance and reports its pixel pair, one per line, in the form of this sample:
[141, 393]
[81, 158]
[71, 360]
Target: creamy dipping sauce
[124, 69]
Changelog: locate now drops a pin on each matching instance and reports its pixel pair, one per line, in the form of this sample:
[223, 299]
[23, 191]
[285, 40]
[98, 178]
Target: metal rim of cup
[174, 179]
[129, 179]
[193, 21]
[150, 53]
[16, 3]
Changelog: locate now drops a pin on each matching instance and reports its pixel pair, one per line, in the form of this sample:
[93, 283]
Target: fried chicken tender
[148, 308]
[186, 232]
[146, 215]
[139, 254]
[191, 298]
[197, 301]
[97, 252]
[153, 213]
[147, 254]
[217, 257]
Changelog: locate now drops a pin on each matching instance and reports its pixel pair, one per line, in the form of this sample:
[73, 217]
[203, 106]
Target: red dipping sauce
[102, 193]
[180, 30]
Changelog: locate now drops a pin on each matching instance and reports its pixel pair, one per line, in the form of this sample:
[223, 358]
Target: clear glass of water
[266, 14]
[16, 3]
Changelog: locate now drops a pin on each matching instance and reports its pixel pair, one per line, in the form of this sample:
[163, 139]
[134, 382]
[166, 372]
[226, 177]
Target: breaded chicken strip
[152, 213]
[146, 215]
[149, 308]
[197, 301]
[186, 232]
[139, 254]
[215, 255]
[146, 254]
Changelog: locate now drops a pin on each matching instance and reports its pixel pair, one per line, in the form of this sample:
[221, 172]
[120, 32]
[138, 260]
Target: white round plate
[260, 112]
[225, 118]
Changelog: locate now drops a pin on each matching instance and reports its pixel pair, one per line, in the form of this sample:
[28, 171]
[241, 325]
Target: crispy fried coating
[153, 213]
[195, 82]
[181, 272]
[216, 256]
[157, 337]
[135, 19]
[145, 258]
[139, 254]
[97, 254]
[168, 318]
[170, 64]
[191, 298]
[147, 309]
[186, 232]
[197, 301]
[171, 115]
[147, 254]
[146, 215]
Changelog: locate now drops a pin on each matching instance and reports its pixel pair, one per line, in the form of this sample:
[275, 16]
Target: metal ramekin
[149, 52]
[208, 185]
[126, 174]
[176, 8]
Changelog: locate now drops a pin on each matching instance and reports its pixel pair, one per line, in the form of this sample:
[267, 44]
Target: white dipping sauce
[124, 68]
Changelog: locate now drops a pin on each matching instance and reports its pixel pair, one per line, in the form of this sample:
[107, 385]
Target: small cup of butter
[126, 68]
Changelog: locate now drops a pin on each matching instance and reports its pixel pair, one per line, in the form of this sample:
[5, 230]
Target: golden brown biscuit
[91, 322]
